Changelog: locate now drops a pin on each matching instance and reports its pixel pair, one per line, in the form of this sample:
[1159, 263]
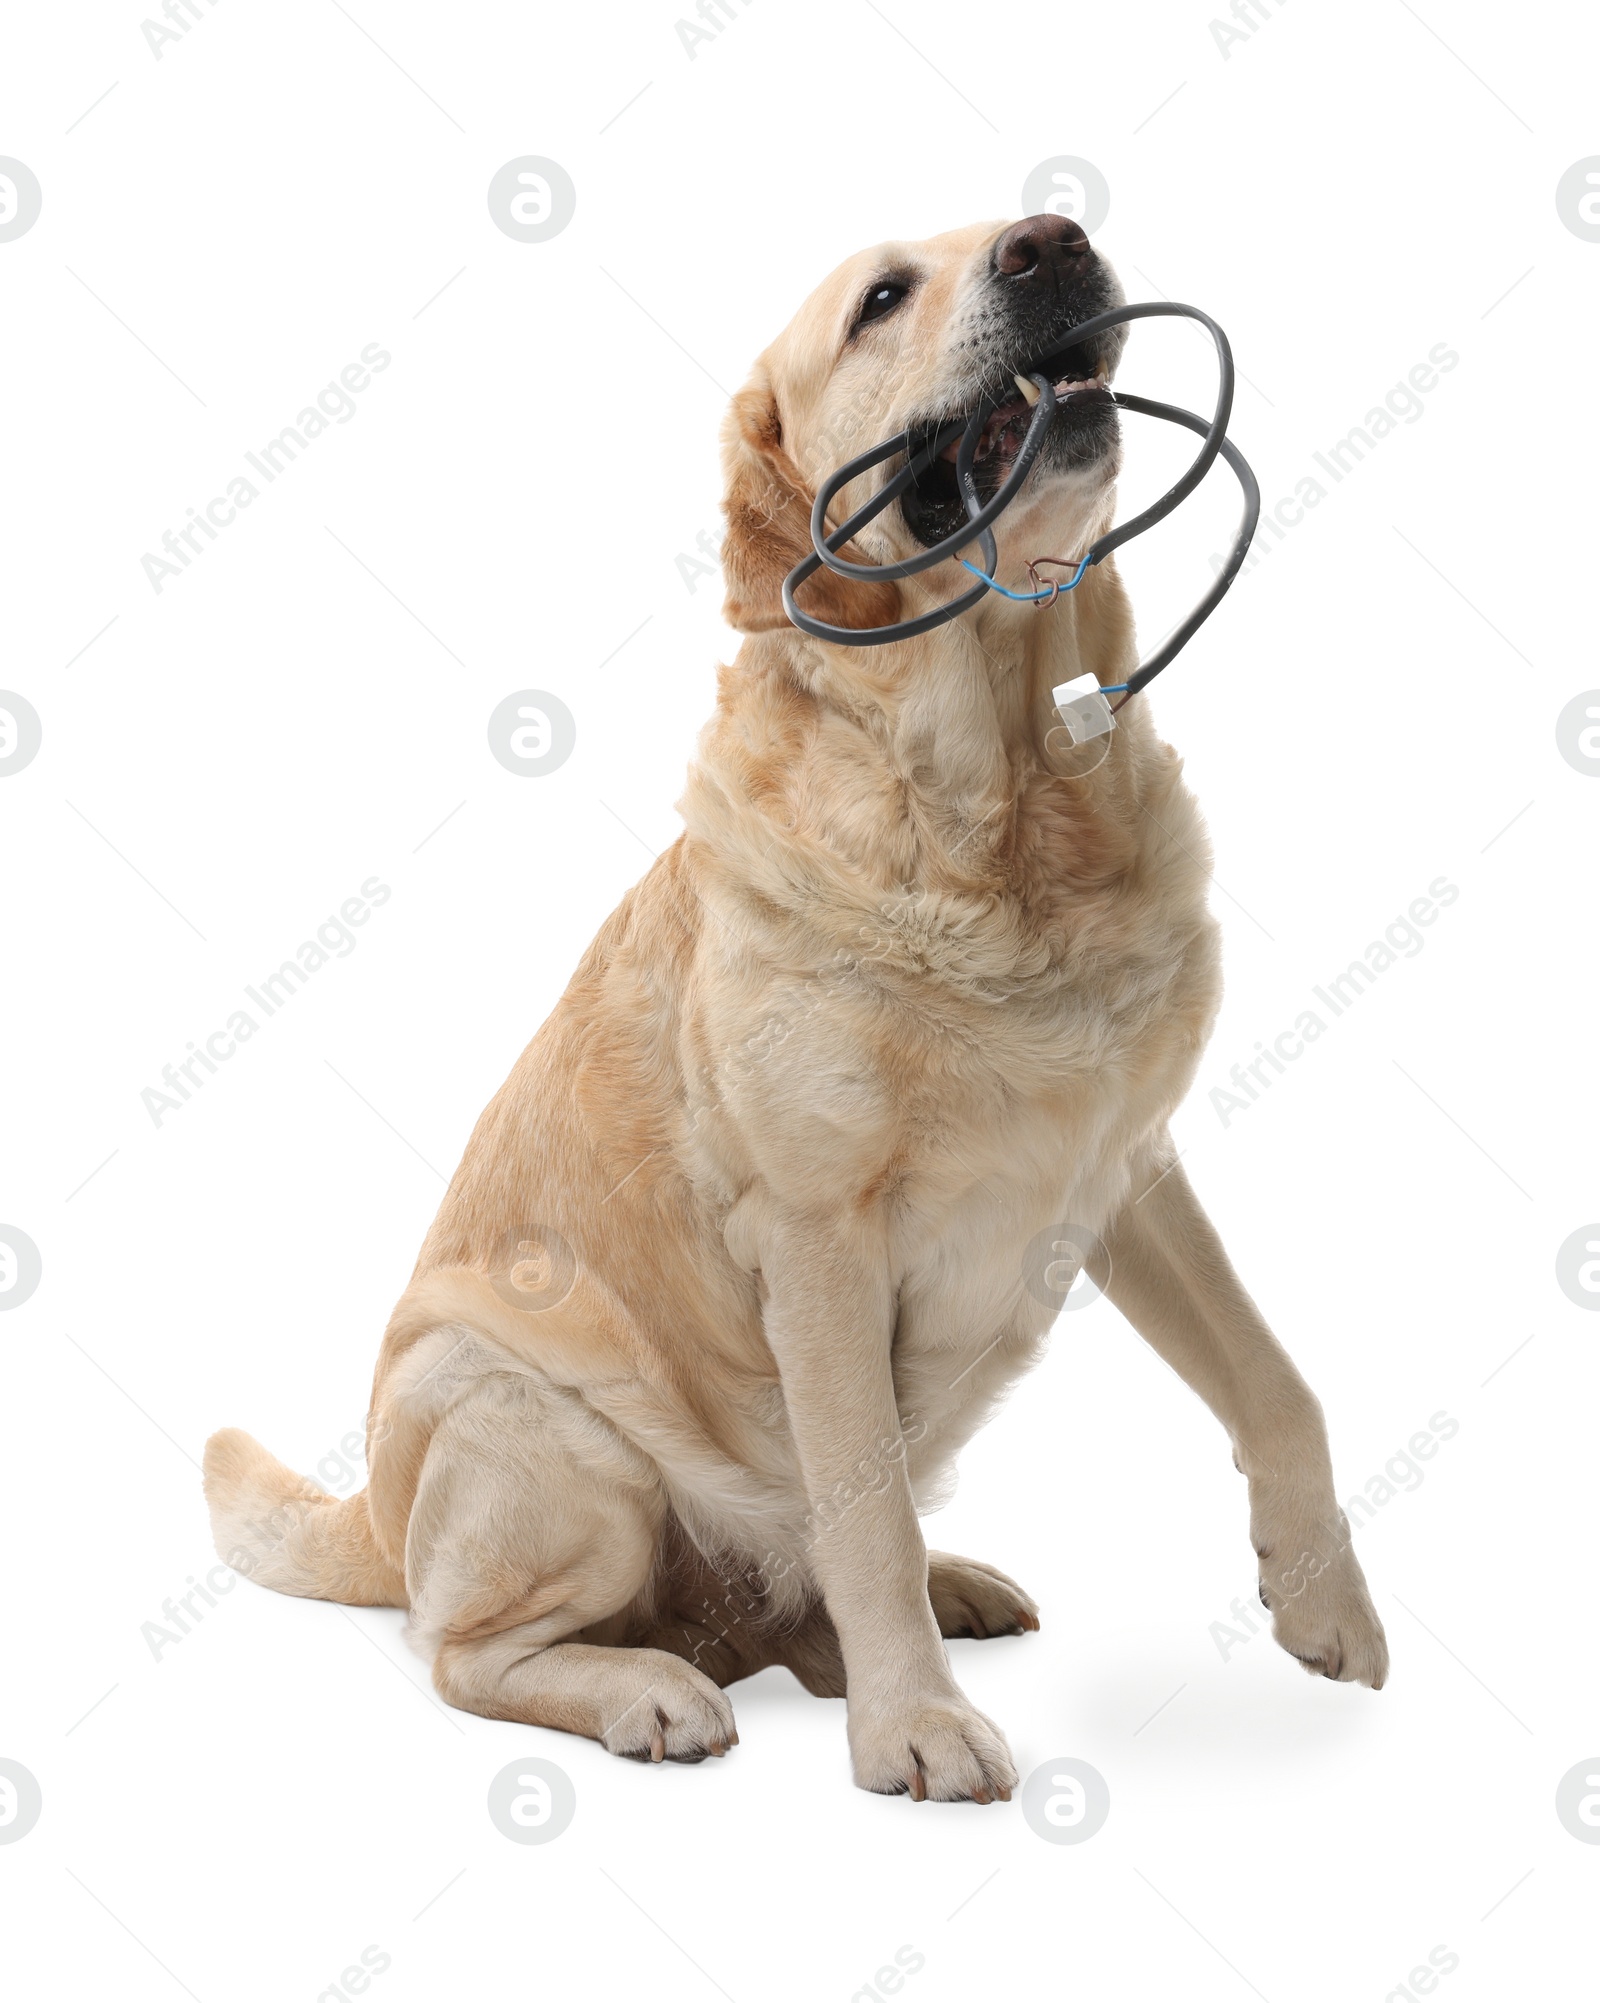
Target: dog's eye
[883, 298]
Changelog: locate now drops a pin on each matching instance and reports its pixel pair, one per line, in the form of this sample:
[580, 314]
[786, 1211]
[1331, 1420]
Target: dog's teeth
[1028, 389]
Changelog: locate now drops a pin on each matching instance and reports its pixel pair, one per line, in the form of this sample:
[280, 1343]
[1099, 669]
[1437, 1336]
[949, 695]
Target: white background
[224, 763]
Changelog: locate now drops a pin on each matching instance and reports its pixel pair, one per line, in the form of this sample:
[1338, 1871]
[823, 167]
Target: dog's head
[904, 338]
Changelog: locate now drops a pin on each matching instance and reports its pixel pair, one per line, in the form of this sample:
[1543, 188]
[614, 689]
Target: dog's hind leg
[972, 1598]
[534, 1520]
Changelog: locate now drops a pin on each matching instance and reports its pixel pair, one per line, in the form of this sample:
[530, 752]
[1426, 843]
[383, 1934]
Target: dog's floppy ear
[769, 529]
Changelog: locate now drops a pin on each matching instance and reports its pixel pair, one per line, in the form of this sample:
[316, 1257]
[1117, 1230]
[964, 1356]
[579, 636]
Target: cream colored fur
[918, 981]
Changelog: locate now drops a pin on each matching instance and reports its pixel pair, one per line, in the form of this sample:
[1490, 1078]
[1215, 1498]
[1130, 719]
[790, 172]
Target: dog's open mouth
[1083, 429]
[1007, 425]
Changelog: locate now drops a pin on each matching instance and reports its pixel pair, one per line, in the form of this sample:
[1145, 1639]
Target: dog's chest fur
[974, 1057]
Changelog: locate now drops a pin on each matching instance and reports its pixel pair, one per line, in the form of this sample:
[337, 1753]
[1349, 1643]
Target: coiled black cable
[981, 516]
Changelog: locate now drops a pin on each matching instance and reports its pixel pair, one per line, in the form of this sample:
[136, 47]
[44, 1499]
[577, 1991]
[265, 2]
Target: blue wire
[1033, 597]
[1023, 597]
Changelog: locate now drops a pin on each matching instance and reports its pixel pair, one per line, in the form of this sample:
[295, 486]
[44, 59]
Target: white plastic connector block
[1083, 710]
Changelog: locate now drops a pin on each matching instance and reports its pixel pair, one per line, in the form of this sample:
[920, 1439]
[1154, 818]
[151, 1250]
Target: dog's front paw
[1323, 1614]
[938, 1748]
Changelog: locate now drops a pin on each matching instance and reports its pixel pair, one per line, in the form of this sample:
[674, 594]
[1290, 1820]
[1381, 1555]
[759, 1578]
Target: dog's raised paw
[1326, 1620]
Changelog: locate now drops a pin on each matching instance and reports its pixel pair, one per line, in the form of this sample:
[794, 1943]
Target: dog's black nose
[1050, 245]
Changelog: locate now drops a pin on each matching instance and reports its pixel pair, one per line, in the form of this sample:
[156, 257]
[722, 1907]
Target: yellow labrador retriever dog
[749, 1243]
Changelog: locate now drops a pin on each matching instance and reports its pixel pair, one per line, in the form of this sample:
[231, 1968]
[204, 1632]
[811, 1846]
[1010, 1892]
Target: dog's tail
[275, 1527]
